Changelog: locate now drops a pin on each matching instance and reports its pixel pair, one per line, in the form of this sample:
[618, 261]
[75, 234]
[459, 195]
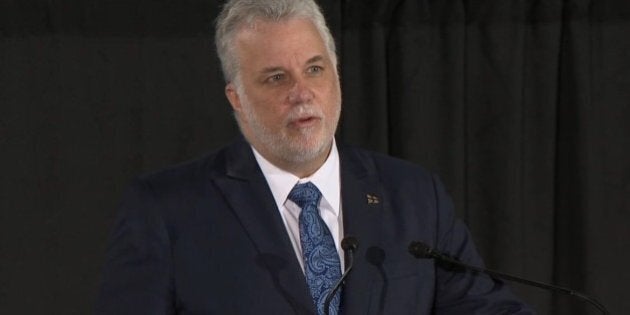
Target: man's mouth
[305, 122]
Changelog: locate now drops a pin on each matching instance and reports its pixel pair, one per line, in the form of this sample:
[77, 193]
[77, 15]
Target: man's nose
[300, 93]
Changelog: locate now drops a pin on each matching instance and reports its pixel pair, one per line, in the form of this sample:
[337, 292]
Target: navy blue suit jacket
[206, 237]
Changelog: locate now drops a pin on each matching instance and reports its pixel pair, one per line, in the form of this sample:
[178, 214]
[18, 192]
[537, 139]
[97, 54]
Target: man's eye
[275, 78]
[315, 69]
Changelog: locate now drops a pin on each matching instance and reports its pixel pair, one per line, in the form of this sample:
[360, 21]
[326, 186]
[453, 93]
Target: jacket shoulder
[186, 175]
[386, 167]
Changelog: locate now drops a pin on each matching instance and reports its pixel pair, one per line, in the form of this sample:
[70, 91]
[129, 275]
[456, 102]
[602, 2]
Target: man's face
[289, 100]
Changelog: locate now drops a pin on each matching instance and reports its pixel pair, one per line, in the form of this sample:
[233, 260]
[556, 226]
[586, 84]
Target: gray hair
[237, 13]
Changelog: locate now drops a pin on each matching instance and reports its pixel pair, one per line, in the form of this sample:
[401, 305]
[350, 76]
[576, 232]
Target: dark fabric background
[521, 106]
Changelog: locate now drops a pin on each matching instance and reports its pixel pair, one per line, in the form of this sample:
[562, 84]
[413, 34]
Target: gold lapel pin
[372, 199]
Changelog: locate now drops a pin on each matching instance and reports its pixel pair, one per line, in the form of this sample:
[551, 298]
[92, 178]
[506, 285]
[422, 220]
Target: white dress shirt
[327, 179]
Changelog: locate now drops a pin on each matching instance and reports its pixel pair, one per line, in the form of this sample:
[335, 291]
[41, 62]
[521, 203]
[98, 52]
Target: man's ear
[233, 97]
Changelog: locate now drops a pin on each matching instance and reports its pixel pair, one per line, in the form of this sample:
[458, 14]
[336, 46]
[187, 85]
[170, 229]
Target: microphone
[349, 244]
[422, 250]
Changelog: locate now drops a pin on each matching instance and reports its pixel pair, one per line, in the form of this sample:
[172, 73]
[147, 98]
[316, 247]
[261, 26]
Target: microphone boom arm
[349, 244]
[421, 250]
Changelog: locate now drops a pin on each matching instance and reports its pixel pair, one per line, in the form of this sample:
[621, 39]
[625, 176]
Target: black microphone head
[349, 243]
[420, 250]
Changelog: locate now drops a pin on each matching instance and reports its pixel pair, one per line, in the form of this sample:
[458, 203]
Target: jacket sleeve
[137, 274]
[460, 291]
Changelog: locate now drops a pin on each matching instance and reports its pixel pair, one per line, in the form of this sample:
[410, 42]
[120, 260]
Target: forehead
[274, 41]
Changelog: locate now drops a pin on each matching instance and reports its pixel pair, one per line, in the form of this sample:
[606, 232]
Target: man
[256, 227]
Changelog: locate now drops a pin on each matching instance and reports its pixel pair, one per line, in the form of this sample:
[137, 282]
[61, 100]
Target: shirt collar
[326, 178]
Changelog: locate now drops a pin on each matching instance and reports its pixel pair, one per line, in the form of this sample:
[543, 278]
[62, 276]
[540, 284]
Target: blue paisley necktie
[321, 261]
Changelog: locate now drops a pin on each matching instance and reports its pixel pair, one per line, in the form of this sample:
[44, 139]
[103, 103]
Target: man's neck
[300, 169]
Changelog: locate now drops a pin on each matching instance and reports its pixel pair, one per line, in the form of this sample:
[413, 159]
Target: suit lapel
[362, 201]
[249, 196]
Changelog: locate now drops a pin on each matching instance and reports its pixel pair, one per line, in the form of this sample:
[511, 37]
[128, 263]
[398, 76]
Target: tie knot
[305, 194]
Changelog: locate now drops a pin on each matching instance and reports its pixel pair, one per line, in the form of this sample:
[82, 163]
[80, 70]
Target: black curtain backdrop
[521, 106]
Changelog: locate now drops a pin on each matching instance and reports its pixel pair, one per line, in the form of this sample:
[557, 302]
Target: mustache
[304, 111]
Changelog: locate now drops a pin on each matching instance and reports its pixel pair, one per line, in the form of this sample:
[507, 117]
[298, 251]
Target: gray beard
[306, 147]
